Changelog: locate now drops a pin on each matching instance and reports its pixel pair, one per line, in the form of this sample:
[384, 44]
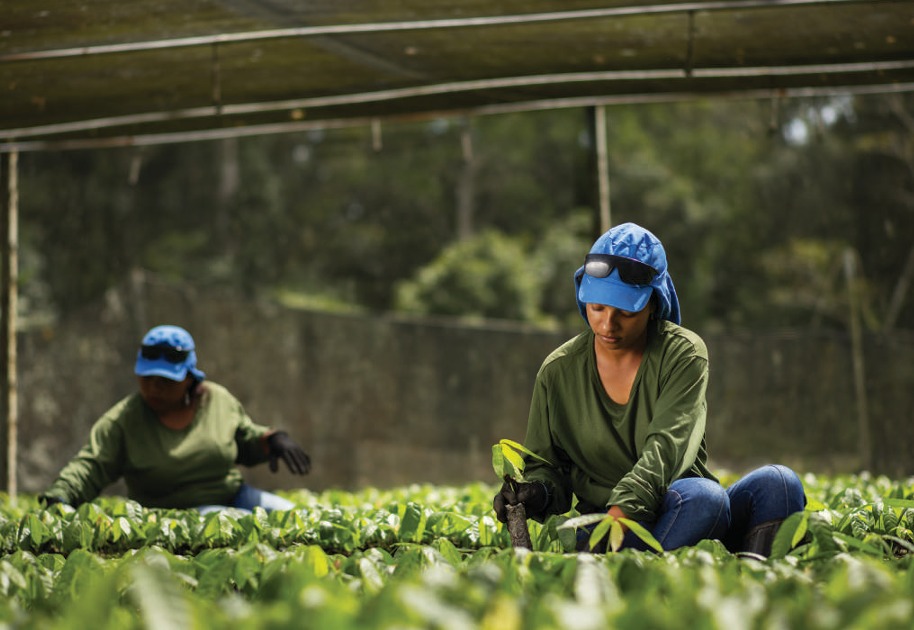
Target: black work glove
[533, 495]
[280, 445]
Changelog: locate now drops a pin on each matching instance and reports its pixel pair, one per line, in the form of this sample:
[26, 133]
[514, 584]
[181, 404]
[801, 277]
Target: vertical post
[9, 243]
[466, 182]
[602, 167]
[898, 295]
[377, 140]
[863, 418]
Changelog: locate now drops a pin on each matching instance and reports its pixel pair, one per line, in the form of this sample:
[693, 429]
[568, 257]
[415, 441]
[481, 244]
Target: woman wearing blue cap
[619, 414]
[176, 441]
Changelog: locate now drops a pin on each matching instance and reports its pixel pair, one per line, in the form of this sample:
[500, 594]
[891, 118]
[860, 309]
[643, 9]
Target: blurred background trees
[760, 204]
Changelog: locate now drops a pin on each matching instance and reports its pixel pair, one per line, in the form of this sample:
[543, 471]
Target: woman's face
[616, 329]
[163, 394]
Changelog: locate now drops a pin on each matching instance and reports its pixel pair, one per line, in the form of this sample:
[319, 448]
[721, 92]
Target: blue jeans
[248, 498]
[692, 509]
[769, 493]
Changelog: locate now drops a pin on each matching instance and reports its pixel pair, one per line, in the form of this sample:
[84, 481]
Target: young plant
[608, 524]
[508, 463]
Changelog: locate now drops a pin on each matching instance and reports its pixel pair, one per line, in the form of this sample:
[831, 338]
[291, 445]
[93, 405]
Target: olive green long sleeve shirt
[163, 467]
[608, 454]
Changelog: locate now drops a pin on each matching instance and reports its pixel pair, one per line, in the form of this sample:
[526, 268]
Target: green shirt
[163, 467]
[608, 454]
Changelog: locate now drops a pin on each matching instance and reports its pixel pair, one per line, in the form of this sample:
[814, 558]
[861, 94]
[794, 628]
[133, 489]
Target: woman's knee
[708, 496]
[696, 508]
[697, 488]
[781, 479]
[793, 487]
[790, 482]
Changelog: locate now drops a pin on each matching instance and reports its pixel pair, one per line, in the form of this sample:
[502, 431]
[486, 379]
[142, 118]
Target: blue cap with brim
[629, 241]
[173, 337]
[611, 291]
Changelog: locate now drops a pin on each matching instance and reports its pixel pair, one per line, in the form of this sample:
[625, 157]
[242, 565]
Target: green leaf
[485, 528]
[789, 535]
[121, 528]
[159, 599]
[448, 551]
[498, 460]
[815, 506]
[513, 458]
[316, 560]
[215, 568]
[411, 523]
[582, 521]
[857, 544]
[907, 545]
[10, 577]
[38, 532]
[567, 539]
[447, 524]
[372, 579]
[599, 532]
[899, 503]
[247, 569]
[616, 535]
[522, 449]
[507, 459]
[643, 534]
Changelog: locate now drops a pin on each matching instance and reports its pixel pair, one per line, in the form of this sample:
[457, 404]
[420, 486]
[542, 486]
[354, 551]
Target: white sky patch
[796, 131]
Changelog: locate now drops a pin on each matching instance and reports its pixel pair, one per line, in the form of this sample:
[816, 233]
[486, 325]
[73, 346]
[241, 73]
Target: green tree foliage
[494, 275]
[483, 277]
[757, 203]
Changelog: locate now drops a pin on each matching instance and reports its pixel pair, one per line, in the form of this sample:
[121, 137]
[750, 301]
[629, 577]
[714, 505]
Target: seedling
[508, 462]
[607, 524]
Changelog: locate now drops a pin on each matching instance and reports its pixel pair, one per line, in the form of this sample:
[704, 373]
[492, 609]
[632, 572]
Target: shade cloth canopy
[108, 72]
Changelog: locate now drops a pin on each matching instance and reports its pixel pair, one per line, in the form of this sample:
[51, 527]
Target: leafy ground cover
[434, 557]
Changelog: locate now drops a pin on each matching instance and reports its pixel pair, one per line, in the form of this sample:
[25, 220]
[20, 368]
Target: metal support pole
[863, 416]
[602, 167]
[9, 243]
[466, 182]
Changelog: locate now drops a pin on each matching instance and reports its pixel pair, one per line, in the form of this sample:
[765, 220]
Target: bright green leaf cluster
[508, 461]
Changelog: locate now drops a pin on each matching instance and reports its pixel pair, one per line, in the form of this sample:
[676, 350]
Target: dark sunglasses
[172, 355]
[631, 271]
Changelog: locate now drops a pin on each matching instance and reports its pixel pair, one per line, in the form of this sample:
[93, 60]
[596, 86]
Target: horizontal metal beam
[529, 106]
[386, 27]
[448, 88]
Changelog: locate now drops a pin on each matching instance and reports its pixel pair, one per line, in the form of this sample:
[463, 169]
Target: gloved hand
[533, 495]
[280, 445]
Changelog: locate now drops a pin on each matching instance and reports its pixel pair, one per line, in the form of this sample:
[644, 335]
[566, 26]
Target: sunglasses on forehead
[631, 271]
[172, 355]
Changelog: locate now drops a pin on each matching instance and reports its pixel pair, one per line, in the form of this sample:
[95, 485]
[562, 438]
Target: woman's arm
[539, 439]
[98, 463]
[676, 432]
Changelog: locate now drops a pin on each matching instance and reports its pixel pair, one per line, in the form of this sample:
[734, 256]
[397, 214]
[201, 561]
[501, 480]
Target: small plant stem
[517, 526]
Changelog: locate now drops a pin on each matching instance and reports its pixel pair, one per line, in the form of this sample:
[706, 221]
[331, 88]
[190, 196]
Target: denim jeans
[769, 493]
[692, 509]
[248, 498]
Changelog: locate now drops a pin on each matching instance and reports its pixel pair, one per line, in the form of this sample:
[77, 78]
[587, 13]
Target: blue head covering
[173, 337]
[631, 241]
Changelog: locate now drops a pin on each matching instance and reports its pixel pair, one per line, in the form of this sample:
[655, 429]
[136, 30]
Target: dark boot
[760, 538]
